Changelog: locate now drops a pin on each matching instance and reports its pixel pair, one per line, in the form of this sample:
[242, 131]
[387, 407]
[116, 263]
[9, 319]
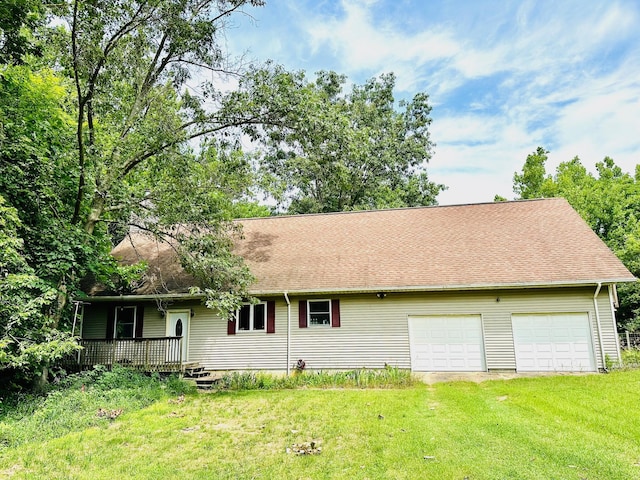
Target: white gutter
[286, 297]
[612, 303]
[438, 288]
[595, 305]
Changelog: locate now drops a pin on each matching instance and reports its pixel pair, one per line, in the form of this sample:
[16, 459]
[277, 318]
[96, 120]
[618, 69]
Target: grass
[72, 404]
[561, 427]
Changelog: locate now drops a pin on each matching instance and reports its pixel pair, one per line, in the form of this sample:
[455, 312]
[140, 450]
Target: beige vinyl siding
[609, 327]
[373, 331]
[210, 345]
[154, 324]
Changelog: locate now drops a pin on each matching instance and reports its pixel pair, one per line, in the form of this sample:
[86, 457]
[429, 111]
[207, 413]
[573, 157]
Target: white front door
[553, 342]
[446, 343]
[178, 326]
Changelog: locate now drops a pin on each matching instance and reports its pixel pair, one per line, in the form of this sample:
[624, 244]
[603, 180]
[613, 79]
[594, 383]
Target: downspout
[595, 306]
[286, 297]
[613, 302]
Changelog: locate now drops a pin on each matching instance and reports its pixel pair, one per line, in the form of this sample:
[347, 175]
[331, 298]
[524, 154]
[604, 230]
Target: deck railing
[148, 354]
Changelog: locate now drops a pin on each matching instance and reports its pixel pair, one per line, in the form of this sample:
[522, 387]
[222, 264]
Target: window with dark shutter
[319, 312]
[251, 317]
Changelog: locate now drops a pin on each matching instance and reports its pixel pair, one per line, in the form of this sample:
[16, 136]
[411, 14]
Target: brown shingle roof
[536, 242]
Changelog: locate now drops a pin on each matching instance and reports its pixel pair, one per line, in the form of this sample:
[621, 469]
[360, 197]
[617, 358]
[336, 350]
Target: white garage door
[446, 344]
[554, 342]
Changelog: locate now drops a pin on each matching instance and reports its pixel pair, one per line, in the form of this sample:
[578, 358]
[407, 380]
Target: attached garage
[447, 343]
[559, 342]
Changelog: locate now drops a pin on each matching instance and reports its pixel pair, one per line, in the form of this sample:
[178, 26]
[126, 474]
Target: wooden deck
[162, 354]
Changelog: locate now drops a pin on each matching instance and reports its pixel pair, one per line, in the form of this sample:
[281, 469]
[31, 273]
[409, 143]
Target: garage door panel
[446, 343]
[553, 342]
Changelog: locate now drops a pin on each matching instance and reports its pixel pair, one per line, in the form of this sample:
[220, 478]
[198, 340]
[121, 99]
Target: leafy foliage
[29, 339]
[609, 202]
[18, 20]
[327, 150]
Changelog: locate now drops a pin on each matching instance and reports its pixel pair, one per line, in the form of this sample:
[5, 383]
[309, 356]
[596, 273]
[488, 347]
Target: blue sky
[503, 77]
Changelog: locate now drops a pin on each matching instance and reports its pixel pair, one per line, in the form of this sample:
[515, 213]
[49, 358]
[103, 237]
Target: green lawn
[583, 427]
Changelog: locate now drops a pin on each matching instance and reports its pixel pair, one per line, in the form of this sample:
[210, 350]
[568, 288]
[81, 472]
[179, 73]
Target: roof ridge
[394, 209]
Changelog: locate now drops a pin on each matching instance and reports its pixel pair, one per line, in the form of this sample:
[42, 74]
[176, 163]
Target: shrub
[631, 357]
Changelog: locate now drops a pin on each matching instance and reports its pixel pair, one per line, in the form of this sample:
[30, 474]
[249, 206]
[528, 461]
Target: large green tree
[106, 142]
[331, 150]
[137, 111]
[609, 201]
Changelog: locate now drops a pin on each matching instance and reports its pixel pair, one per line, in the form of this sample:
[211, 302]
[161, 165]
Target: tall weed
[389, 377]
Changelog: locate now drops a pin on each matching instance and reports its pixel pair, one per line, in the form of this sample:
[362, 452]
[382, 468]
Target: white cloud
[562, 75]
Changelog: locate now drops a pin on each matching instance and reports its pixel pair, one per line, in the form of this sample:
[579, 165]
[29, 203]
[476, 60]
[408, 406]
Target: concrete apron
[477, 377]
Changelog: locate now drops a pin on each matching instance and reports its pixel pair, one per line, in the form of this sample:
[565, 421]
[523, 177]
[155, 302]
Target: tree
[609, 202]
[38, 247]
[333, 151]
[105, 142]
[531, 182]
[135, 116]
[29, 339]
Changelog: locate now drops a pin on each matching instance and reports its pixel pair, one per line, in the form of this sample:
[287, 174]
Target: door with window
[178, 326]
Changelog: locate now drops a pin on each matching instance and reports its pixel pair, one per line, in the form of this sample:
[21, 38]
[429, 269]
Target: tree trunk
[97, 209]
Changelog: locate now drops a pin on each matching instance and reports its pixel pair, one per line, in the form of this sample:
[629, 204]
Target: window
[251, 317]
[125, 322]
[319, 312]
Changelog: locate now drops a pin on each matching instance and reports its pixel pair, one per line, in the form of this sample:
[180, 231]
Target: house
[514, 286]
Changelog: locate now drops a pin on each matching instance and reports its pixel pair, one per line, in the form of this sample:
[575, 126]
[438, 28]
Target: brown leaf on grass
[180, 399]
[110, 414]
[305, 448]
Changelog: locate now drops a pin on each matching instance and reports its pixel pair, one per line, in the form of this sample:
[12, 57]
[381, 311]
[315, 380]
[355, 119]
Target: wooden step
[192, 369]
[207, 382]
